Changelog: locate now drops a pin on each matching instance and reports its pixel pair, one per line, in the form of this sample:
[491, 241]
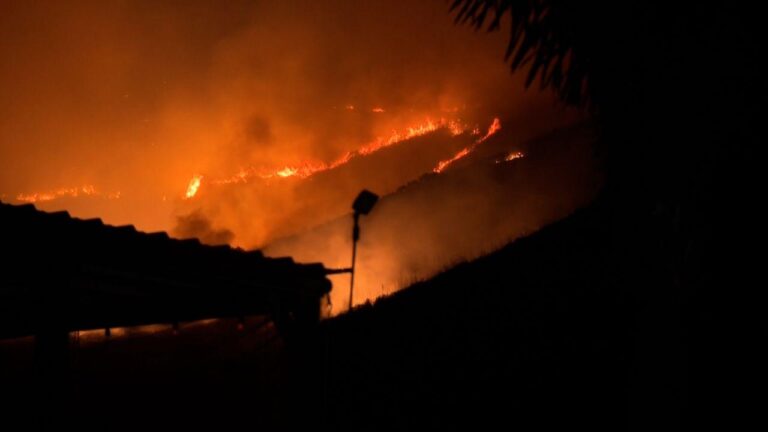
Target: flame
[287, 172]
[309, 168]
[511, 156]
[194, 185]
[342, 160]
[87, 190]
[455, 126]
[456, 129]
[492, 129]
[444, 163]
[377, 110]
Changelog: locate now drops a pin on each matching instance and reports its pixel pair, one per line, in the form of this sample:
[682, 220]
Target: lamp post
[362, 205]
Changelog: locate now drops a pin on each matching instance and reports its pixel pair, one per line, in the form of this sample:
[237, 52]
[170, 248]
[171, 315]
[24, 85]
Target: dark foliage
[678, 89]
[543, 35]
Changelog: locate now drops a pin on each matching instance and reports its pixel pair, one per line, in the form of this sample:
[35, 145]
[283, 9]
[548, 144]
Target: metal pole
[355, 236]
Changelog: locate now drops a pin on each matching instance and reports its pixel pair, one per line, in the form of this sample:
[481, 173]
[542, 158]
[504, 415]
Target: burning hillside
[261, 208]
[307, 168]
[259, 121]
[497, 193]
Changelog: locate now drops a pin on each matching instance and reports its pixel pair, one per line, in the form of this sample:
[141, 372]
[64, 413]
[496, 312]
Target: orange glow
[377, 110]
[492, 129]
[85, 190]
[514, 155]
[194, 185]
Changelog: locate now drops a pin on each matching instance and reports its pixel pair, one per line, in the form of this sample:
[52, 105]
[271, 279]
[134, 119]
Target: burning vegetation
[73, 192]
[308, 168]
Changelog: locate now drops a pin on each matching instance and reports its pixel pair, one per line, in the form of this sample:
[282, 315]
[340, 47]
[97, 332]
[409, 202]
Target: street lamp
[362, 206]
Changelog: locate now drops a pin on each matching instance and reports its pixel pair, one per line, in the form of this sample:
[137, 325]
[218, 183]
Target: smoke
[196, 225]
[135, 98]
[469, 210]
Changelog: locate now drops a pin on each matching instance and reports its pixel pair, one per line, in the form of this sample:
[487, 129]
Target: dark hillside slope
[534, 335]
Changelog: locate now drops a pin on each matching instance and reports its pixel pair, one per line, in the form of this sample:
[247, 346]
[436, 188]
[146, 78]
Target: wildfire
[492, 129]
[342, 160]
[309, 168]
[87, 190]
[194, 185]
[444, 163]
[454, 126]
[287, 172]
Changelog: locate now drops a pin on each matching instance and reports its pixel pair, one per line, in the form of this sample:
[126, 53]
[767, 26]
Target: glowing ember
[193, 186]
[85, 190]
[492, 129]
[456, 128]
[378, 110]
[514, 155]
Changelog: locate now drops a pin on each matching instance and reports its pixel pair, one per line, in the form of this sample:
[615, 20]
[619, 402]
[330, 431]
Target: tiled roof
[86, 274]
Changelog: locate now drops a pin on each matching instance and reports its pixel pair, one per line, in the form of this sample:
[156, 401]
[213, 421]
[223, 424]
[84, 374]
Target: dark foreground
[535, 336]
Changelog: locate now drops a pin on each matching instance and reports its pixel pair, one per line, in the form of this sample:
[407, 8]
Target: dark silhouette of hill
[533, 336]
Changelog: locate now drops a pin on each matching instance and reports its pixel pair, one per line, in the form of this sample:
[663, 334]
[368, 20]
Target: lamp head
[364, 202]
